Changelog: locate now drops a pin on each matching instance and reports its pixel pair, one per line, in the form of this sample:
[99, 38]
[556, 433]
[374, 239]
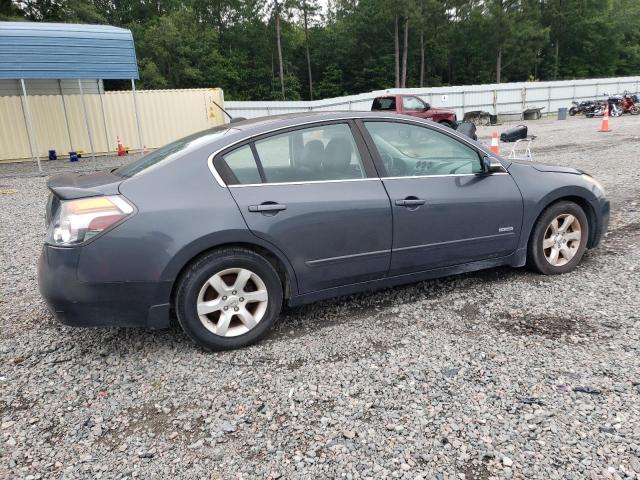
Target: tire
[634, 110]
[568, 248]
[204, 311]
[573, 111]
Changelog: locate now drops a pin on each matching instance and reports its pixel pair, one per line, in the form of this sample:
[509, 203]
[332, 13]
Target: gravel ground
[496, 374]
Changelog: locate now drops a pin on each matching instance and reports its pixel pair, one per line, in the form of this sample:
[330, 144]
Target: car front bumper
[602, 225]
[81, 304]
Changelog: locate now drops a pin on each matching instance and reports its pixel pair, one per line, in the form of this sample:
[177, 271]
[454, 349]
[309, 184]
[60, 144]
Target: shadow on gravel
[474, 470]
[549, 326]
[313, 318]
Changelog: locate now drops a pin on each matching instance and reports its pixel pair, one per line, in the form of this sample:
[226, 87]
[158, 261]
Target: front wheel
[635, 110]
[559, 239]
[573, 111]
[228, 299]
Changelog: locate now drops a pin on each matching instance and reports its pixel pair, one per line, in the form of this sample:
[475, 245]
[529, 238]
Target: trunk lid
[70, 186]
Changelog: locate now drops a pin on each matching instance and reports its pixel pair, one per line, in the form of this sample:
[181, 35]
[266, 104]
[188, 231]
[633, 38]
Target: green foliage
[232, 43]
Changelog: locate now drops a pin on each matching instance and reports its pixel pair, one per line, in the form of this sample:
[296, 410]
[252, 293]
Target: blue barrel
[53, 155]
[73, 157]
[562, 113]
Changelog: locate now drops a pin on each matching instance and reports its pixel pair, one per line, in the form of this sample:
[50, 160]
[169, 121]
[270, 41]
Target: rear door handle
[267, 207]
[410, 202]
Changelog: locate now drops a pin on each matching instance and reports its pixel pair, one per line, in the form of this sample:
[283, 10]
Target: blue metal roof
[66, 50]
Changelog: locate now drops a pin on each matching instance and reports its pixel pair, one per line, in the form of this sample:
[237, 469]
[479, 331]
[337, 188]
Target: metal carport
[61, 51]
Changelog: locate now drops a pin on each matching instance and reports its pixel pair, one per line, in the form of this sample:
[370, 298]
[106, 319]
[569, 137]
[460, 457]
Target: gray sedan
[221, 228]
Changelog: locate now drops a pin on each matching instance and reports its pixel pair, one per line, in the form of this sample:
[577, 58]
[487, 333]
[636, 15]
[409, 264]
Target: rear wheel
[228, 299]
[559, 239]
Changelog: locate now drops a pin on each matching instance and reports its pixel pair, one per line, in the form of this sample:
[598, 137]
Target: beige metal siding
[165, 115]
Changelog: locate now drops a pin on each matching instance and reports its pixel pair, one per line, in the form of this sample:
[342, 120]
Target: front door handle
[267, 207]
[410, 202]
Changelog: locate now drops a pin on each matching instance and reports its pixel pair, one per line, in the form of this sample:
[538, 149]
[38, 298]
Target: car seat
[337, 157]
[310, 162]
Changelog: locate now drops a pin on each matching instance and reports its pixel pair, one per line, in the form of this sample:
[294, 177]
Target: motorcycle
[629, 103]
[613, 103]
[582, 107]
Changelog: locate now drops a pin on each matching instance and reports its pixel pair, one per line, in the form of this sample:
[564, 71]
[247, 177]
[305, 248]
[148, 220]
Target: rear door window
[326, 152]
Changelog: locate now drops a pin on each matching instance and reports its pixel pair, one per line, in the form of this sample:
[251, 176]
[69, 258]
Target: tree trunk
[397, 52]
[306, 38]
[421, 59]
[405, 51]
[276, 9]
[499, 65]
[555, 66]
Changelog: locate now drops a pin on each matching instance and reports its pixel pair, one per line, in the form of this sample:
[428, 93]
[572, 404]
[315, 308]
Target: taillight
[77, 221]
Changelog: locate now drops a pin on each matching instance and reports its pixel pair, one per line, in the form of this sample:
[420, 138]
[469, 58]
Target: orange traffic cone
[495, 147]
[120, 148]
[604, 126]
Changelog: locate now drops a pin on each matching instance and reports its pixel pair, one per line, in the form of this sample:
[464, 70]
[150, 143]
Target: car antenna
[231, 119]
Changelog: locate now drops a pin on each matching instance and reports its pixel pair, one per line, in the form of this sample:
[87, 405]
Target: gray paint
[334, 238]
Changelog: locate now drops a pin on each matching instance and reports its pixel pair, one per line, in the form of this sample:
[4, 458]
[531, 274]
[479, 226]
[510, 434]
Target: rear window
[384, 103]
[168, 152]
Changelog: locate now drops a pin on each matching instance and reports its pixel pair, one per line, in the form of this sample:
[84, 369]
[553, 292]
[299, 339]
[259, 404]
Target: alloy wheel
[562, 239]
[232, 302]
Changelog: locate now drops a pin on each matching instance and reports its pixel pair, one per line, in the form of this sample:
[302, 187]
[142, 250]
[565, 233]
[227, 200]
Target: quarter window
[410, 150]
[327, 152]
[243, 165]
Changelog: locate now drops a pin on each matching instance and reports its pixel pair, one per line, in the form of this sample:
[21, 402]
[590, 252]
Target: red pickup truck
[414, 106]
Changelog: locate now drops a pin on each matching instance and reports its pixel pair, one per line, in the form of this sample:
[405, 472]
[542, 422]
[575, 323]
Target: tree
[354, 46]
[276, 14]
[309, 9]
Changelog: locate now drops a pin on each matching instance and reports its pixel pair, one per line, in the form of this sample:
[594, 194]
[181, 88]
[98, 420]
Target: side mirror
[491, 165]
[426, 106]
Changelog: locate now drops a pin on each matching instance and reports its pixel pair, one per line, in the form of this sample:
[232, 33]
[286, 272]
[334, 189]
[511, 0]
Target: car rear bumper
[114, 304]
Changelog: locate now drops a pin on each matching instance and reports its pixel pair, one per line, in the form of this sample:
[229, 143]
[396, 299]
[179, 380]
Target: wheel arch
[193, 252]
[581, 201]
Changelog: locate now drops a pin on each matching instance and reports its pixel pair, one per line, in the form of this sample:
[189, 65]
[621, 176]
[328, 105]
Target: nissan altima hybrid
[222, 228]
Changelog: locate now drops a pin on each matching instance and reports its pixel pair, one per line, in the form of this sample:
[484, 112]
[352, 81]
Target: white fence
[498, 98]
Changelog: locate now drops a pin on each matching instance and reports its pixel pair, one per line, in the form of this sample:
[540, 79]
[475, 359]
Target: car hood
[437, 111]
[541, 167]
[72, 185]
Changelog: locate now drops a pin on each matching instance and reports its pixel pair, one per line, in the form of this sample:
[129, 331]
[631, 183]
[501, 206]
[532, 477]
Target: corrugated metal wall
[165, 115]
[493, 98]
[66, 50]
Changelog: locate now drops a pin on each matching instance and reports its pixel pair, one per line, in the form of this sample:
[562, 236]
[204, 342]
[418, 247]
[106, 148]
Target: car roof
[258, 125]
[246, 128]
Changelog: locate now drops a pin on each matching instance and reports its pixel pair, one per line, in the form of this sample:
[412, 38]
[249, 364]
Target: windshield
[168, 152]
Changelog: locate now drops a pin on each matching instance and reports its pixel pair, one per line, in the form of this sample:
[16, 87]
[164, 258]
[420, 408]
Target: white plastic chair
[521, 149]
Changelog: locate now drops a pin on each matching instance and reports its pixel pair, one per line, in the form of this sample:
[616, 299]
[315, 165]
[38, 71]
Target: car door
[446, 210]
[314, 194]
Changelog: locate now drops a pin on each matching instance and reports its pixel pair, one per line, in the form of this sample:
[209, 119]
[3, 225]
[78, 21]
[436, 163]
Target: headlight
[77, 221]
